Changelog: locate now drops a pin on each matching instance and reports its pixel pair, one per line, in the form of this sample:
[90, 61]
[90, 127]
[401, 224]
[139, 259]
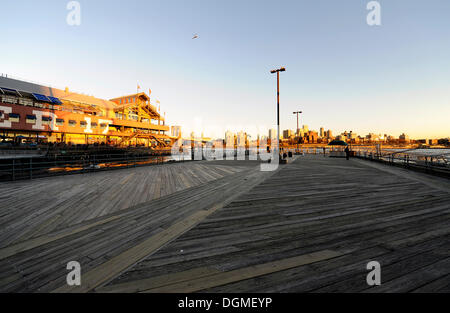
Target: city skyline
[339, 71]
[322, 132]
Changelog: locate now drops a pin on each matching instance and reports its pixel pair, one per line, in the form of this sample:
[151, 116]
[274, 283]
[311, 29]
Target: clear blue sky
[344, 74]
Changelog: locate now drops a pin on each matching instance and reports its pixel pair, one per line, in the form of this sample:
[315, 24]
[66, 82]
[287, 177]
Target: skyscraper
[287, 133]
[272, 133]
[229, 139]
[240, 139]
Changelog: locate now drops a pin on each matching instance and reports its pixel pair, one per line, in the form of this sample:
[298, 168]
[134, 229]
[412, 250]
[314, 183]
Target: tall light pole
[298, 130]
[282, 69]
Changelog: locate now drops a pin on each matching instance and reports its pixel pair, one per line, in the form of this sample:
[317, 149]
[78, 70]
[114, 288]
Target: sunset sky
[342, 73]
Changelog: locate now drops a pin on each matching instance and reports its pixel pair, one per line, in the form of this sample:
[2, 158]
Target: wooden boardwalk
[225, 226]
[33, 208]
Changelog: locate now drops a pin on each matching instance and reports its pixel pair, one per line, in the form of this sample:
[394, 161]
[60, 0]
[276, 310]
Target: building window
[59, 122]
[72, 123]
[83, 124]
[31, 119]
[93, 125]
[103, 125]
[46, 120]
[14, 117]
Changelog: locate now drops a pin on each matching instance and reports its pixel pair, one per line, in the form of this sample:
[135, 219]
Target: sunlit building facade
[34, 113]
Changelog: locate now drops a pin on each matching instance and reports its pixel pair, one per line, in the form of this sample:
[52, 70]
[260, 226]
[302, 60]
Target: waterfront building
[41, 114]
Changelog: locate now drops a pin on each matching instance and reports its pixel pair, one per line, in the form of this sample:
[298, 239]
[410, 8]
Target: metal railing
[30, 168]
[418, 159]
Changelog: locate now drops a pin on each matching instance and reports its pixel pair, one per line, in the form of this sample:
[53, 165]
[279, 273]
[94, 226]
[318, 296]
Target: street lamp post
[298, 130]
[282, 69]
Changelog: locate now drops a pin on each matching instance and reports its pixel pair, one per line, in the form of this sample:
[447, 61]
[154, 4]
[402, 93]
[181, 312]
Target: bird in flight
[195, 36]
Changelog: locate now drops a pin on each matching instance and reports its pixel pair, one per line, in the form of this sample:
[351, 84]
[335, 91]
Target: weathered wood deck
[225, 226]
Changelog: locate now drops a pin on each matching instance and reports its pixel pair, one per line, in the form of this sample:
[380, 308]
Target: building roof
[141, 95]
[23, 86]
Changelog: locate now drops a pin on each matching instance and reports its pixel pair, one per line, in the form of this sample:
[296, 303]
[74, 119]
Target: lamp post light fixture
[282, 69]
[298, 130]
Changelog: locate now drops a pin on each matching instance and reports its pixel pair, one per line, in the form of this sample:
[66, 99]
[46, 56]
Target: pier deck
[225, 226]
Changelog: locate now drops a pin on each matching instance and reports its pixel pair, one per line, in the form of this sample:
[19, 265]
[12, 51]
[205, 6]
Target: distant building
[403, 138]
[312, 137]
[218, 143]
[240, 139]
[175, 131]
[272, 134]
[329, 134]
[287, 133]
[322, 132]
[352, 136]
[262, 140]
[305, 129]
[229, 139]
[373, 137]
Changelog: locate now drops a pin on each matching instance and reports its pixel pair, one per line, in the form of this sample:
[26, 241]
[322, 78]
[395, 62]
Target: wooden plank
[36, 242]
[116, 265]
[244, 273]
[159, 281]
